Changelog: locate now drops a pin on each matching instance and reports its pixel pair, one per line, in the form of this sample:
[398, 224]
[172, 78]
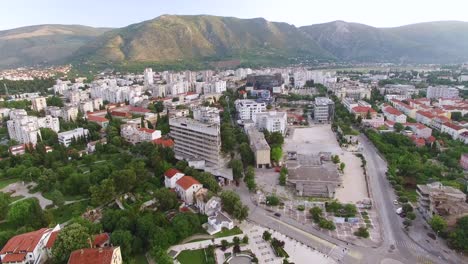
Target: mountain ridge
[174, 38]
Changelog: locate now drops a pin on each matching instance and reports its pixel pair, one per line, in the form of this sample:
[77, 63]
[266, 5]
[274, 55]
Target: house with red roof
[419, 142]
[453, 130]
[101, 240]
[102, 121]
[363, 111]
[186, 187]
[424, 117]
[404, 108]
[394, 115]
[163, 142]
[134, 134]
[171, 176]
[419, 130]
[29, 247]
[438, 121]
[109, 255]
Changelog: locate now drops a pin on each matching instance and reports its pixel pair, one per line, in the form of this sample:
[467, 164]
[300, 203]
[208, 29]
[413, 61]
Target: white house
[186, 187]
[171, 176]
[65, 138]
[217, 222]
[453, 130]
[246, 108]
[394, 115]
[28, 247]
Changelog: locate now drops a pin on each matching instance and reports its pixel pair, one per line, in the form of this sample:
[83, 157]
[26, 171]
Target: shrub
[301, 207]
[272, 200]
[362, 232]
[403, 199]
[326, 224]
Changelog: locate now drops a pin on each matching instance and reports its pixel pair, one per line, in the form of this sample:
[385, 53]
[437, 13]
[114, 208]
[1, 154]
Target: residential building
[28, 247]
[445, 201]
[259, 147]
[271, 121]
[394, 115]
[324, 109]
[102, 121]
[66, 138]
[194, 140]
[425, 117]
[108, 255]
[405, 108]
[206, 114]
[453, 130]
[39, 104]
[365, 112]
[135, 135]
[18, 150]
[464, 161]
[69, 113]
[246, 108]
[101, 240]
[91, 146]
[375, 122]
[419, 130]
[26, 129]
[218, 221]
[148, 77]
[171, 176]
[441, 91]
[186, 187]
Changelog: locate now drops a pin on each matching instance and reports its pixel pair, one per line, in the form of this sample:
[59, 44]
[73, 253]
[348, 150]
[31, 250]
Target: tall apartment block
[195, 140]
[324, 109]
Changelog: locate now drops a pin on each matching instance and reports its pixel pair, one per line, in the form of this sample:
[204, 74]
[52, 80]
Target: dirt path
[21, 189]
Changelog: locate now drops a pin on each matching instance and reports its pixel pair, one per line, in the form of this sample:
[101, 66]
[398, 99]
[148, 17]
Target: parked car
[277, 214]
[395, 202]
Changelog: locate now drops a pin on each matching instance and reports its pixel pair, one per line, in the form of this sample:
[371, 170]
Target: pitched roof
[167, 143]
[392, 111]
[363, 109]
[425, 114]
[52, 238]
[91, 256]
[11, 258]
[137, 109]
[93, 118]
[101, 239]
[171, 172]
[453, 126]
[147, 130]
[186, 182]
[23, 243]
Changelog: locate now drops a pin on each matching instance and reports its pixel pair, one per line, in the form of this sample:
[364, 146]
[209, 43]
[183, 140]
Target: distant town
[355, 164]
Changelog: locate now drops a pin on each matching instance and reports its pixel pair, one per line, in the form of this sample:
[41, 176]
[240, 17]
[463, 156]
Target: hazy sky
[118, 13]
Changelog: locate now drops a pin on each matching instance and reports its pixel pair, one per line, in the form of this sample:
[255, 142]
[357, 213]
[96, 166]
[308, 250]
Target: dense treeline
[30, 86]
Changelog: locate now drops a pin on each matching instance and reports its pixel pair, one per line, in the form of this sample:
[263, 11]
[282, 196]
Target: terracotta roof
[425, 114]
[91, 256]
[431, 139]
[186, 182]
[167, 143]
[392, 111]
[101, 239]
[97, 119]
[171, 172]
[147, 130]
[52, 238]
[139, 109]
[363, 109]
[418, 141]
[10, 258]
[23, 243]
[453, 126]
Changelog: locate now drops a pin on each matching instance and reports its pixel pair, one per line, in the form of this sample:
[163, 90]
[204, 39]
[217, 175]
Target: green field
[226, 232]
[69, 211]
[192, 257]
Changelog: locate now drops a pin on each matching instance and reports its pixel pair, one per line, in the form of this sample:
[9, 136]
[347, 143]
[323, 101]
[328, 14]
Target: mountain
[432, 42]
[43, 44]
[174, 38]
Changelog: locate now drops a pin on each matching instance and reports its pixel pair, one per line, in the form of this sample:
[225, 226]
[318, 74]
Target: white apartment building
[206, 114]
[271, 121]
[135, 135]
[194, 140]
[39, 104]
[26, 129]
[148, 75]
[442, 91]
[246, 108]
[49, 122]
[65, 138]
[394, 115]
[214, 87]
[69, 113]
[86, 106]
[54, 111]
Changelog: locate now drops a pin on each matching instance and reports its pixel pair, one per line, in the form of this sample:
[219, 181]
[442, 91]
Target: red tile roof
[137, 109]
[171, 172]
[431, 139]
[425, 114]
[52, 238]
[167, 143]
[453, 126]
[147, 130]
[418, 141]
[23, 243]
[392, 111]
[91, 256]
[11, 258]
[100, 239]
[363, 109]
[121, 114]
[97, 119]
[186, 182]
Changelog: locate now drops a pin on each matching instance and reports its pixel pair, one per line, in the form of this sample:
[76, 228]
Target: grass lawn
[5, 182]
[69, 211]
[66, 197]
[226, 232]
[192, 257]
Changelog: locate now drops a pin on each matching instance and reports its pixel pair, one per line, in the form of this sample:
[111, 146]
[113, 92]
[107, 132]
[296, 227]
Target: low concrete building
[260, 148]
[445, 201]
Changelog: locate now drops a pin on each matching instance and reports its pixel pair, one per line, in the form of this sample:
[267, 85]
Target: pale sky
[119, 13]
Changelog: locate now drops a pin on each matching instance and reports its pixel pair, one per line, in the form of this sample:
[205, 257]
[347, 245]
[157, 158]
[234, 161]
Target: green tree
[272, 200]
[362, 232]
[70, 238]
[28, 213]
[5, 200]
[316, 213]
[342, 166]
[124, 239]
[161, 256]
[326, 224]
[54, 101]
[246, 154]
[103, 192]
[57, 198]
[276, 153]
[237, 169]
[266, 235]
[165, 199]
[398, 127]
[438, 224]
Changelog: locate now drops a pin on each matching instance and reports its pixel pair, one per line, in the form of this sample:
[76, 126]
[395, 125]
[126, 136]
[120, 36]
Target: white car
[395, 202]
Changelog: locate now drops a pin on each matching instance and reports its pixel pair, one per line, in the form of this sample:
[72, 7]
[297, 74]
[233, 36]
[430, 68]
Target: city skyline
[297, 12]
